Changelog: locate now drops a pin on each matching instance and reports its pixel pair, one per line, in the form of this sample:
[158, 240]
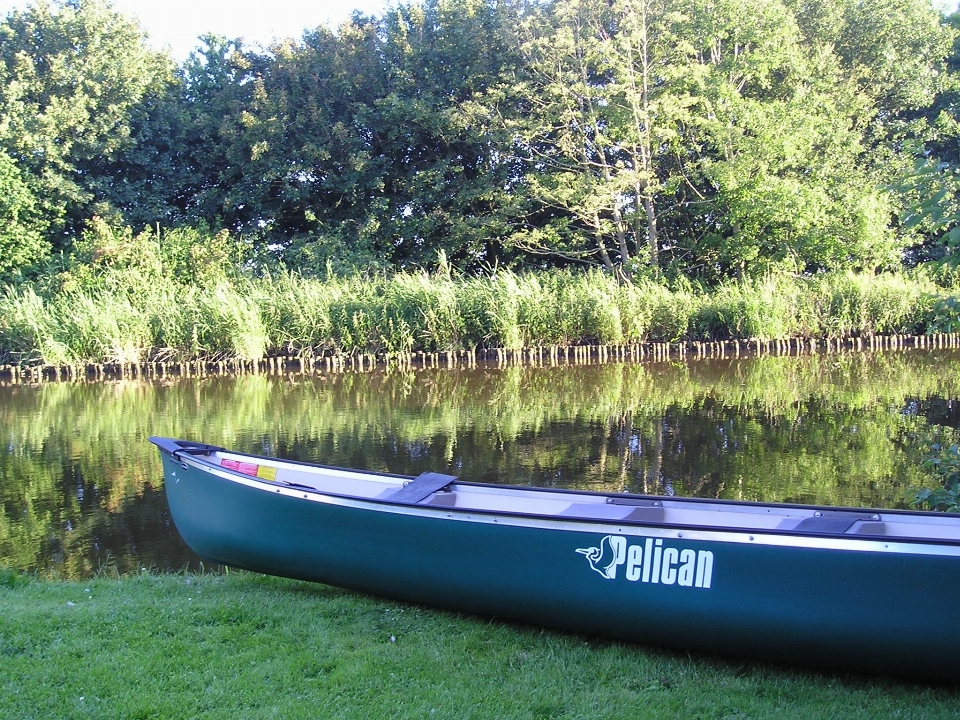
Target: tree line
[709, 139]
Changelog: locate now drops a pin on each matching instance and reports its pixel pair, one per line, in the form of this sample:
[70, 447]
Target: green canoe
[863, 590]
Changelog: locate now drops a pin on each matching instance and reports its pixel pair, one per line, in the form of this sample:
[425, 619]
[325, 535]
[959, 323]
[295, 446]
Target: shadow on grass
[673, 663]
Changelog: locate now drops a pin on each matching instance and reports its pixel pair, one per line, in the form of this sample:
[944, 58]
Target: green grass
[248, 646]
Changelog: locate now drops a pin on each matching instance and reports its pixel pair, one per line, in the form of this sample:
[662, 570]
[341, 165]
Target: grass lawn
[247, 646]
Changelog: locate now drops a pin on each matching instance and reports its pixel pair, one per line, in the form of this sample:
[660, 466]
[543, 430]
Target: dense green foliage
[22, 227]
[711, 140]
[943, 464]
[179, 295]
[76, 81]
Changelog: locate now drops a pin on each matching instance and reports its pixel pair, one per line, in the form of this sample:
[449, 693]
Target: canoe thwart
[422, 487]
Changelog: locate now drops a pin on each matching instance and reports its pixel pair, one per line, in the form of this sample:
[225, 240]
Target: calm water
[82, 489]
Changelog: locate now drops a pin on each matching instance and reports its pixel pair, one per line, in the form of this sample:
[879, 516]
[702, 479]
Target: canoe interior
[447, 492]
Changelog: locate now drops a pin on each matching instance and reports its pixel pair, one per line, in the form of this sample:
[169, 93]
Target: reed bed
[250, 320]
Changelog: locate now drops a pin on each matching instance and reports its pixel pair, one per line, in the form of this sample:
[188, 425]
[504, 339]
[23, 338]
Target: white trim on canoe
[587, 512]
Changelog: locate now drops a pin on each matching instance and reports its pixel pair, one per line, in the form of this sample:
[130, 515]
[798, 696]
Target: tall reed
[242, 318]
[858, 304]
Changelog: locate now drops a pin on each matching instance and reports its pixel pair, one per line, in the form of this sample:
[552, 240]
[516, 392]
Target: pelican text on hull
[650, 562]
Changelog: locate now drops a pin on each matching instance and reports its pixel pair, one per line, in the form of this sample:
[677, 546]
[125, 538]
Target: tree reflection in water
[82, 488]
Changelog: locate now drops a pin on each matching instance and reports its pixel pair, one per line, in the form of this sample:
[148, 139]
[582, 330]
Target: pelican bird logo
[604, 559]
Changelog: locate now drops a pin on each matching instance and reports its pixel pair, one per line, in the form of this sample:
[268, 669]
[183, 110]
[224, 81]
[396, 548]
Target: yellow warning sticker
[265, 472]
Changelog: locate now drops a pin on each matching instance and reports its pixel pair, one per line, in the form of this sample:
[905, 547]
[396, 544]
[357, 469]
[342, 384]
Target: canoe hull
[863, 605]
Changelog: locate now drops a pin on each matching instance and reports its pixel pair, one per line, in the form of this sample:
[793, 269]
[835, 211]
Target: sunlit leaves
[22, 241]
[705, 138]
[74, 77]
[606, 95]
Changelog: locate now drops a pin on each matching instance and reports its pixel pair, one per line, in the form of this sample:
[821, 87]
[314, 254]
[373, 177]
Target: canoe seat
[647, 514]
[643, 510]
[836, 524]
[421, 487]
[611, 511]
[444, 499]
[868, 527]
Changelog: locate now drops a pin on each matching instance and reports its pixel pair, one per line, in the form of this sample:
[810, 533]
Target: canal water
[82, 488]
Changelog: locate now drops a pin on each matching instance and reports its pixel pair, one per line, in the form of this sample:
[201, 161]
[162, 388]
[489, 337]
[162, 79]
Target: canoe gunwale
[193, 453]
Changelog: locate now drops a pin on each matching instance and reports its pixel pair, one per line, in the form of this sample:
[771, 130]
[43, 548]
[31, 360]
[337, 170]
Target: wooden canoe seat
[421, 487]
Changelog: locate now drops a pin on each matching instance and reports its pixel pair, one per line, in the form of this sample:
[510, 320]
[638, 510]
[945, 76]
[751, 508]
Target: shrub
[943, 464]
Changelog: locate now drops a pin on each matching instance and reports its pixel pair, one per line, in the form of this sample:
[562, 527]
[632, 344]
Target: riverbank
[244, 645]
[553, 356]
[116, 324]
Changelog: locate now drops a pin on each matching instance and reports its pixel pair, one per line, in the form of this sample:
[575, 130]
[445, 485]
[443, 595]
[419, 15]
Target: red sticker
[243, 467]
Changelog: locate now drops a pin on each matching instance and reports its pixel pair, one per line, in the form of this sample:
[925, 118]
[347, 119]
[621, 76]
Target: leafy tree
[310, 173]
[177, 169]
[210, 118]
[943, 116]
[608, 88]
[72, 77]
[366, 147]
[930, 189]
[903, 56]
[931, 193]
[893, 50]
[710, 138]
[450, 183]
[782, 178]
[726, 137]
[22, 225]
